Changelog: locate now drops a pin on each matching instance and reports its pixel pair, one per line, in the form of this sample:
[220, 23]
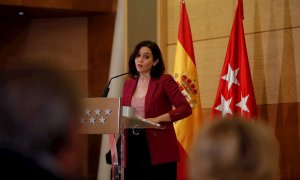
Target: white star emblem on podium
[101, 120]
[87, 112]
[107, 112]
[92, 120]
[97, 112]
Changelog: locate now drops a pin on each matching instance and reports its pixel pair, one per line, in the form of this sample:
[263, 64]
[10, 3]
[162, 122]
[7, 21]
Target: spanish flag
[185, 74]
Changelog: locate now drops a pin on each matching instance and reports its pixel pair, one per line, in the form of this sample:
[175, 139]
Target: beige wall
[141, 22]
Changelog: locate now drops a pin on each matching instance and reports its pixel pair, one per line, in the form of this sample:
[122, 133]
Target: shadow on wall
[287, 121]
[258, 64]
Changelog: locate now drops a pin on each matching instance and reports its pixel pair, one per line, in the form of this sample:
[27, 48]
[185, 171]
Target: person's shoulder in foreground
[234, 149]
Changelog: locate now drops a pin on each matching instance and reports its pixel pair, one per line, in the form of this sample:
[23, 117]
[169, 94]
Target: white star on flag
[97, 112]
[243, 103]
[224, 106]
[107, 112]
[92, 120]
[101, 120]
[231, 76]
[87, 112]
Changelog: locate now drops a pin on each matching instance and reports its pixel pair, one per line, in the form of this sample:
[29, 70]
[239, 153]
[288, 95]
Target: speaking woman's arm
[181, 108]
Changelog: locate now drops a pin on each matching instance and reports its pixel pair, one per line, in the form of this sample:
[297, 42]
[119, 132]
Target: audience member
[38, 124]
[234, 149]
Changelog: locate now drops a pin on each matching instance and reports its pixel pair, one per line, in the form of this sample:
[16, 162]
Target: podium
[107, 116]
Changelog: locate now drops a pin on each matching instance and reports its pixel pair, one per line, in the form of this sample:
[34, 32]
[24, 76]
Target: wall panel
[213, 19]
[11, 2]
[65, 4]
[57, 42]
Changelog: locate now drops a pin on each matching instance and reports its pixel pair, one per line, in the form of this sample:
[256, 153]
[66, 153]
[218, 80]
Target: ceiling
[29, 12]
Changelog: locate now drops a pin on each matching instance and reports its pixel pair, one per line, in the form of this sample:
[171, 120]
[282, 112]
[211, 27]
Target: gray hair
[234, 149]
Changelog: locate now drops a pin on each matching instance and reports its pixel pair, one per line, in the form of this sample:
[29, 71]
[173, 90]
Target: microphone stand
[116, 167]
[106, 89]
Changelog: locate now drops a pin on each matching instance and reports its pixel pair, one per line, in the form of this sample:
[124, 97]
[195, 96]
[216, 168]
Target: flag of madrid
[235, 95]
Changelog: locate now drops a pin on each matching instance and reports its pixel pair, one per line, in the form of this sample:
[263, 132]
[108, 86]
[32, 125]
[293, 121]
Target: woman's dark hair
[156, 70]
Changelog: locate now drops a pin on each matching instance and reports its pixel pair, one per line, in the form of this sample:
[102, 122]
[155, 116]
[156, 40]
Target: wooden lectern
[107, 116]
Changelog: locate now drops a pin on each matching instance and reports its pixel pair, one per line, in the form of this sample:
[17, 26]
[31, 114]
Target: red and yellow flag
[185, 74]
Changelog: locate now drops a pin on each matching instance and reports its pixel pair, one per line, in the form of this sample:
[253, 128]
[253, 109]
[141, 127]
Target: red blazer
[163, 93]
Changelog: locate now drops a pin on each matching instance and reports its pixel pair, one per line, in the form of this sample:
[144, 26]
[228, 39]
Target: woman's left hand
[161, 118]
[154, 120]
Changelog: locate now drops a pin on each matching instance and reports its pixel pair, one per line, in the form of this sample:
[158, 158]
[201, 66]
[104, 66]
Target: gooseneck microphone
[106, 89]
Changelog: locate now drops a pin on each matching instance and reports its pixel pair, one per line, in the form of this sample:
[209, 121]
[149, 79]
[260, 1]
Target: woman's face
[144, 60]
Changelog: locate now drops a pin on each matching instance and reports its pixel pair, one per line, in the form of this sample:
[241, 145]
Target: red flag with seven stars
[235, 94]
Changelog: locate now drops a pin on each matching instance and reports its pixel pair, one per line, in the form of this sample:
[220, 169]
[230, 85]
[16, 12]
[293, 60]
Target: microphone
[106, 89]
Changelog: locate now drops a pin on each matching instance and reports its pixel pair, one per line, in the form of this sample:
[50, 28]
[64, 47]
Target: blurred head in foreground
[38, 119]
[234, 149]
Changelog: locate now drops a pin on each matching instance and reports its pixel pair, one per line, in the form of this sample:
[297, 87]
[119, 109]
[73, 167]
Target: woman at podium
[152, 153]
